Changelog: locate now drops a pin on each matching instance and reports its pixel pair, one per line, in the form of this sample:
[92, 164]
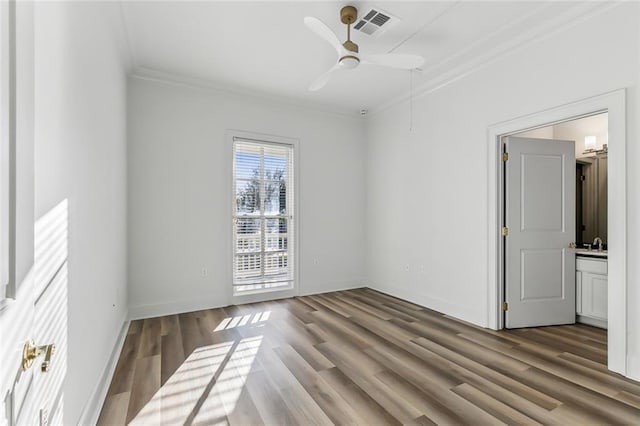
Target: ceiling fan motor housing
[348, 15]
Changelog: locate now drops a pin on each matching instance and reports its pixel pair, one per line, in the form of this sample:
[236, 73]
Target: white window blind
[263, 215]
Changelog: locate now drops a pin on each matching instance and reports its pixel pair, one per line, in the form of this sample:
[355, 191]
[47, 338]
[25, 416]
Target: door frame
[615, 104]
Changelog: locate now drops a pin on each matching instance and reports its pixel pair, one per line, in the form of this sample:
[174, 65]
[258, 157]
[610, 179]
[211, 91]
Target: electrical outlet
[316, 261]
[203, 272]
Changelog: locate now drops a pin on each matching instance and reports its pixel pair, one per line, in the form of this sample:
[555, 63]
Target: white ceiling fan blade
[322, 80]
[394, 60]
[321, 29]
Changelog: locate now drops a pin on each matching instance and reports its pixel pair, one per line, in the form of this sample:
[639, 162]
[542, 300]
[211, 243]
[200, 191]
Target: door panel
[16, 325]
[599, 296]
[594, 295]
[540, 266]
[39, 313]
[540, 175]
[50, 326]
[540, 216]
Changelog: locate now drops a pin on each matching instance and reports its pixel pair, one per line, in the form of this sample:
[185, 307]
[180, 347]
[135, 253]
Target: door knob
[572, 245]
[30, 352]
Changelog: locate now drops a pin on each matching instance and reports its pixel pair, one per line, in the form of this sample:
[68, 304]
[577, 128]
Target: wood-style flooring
[360, 357]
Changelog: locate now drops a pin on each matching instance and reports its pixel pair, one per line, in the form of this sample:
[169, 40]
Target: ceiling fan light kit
[349, 56]
[349, 62]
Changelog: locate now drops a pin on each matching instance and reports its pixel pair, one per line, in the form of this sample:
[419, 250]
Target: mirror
[591, 199]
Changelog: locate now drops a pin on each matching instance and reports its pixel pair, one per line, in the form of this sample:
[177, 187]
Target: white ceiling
[264, 47]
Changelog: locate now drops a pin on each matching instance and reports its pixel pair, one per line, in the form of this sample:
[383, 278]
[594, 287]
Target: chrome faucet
[598, 241]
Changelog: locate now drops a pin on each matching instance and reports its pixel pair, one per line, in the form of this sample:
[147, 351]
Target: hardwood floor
[360, 357]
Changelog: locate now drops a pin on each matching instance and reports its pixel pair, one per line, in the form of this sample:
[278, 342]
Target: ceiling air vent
[375, 22]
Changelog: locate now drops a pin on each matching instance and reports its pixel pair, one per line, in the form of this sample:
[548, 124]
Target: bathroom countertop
[583, 252]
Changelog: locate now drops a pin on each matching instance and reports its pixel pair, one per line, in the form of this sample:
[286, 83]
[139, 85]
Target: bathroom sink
[591, 253]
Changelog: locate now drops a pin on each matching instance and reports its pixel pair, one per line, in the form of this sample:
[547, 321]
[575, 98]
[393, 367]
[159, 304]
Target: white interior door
[540, 217]
[36, 250]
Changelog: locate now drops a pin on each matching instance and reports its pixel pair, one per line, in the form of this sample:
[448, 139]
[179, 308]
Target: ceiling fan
[348, 54]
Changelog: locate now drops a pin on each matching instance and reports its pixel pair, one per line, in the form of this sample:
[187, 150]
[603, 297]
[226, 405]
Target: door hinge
[505, 231]
[505, 156]
[505, 306]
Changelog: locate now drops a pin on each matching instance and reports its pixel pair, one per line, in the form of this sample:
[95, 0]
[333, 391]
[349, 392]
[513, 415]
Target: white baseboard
[172, 308]
[633, 367]
[331, 287]
[594, 322]
[94, 404]
[476, 317]
[182, 306]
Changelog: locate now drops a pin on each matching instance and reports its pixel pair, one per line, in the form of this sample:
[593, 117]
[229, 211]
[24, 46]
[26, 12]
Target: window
[263, 216]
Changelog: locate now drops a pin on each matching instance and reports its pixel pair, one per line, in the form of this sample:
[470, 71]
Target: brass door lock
[31, 352]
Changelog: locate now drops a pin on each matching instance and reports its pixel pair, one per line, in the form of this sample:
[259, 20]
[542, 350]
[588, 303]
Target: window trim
[263, 294]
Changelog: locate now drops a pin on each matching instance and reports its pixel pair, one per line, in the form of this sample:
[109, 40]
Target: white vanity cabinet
[591, 291]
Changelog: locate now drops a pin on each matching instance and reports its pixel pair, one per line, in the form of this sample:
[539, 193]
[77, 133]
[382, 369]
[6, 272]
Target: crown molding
[433, 79]
[576, 15]
[148, 74]
[515, 23]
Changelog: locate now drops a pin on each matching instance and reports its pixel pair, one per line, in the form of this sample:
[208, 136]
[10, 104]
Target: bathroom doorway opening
[612, 104]
[557, 274]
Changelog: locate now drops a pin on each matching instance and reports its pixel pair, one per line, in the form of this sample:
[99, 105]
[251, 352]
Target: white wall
[180, 198]
[80, 149]
[428, 211]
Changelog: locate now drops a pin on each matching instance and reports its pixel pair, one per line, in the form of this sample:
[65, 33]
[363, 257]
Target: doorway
[614, 104]
[556, 211]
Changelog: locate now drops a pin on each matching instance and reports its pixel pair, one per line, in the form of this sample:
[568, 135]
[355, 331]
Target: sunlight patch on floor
[205, 388]
[242, 320]
[226, 392]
